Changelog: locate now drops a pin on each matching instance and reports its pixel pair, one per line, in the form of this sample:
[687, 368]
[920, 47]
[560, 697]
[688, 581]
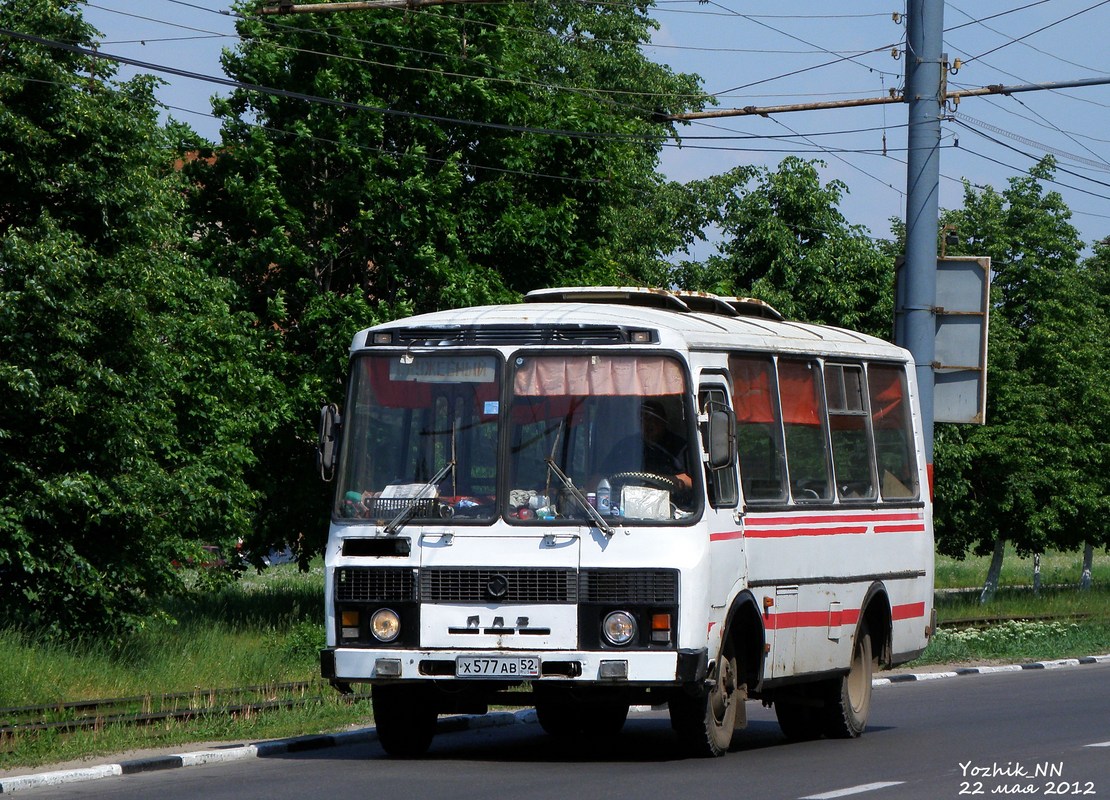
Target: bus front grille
[492, 585]
[357, 584]
[634, 586]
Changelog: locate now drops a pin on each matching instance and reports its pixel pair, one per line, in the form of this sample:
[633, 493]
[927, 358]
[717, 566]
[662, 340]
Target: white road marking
[1099, 744]
[866, 787]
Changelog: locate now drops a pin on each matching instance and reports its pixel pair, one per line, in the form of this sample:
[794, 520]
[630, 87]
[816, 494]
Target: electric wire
[1083, 160]
[1038, 30]
[1023, 43]
[866, 151]
[597, 94]
[1033, 158]
[330, 101]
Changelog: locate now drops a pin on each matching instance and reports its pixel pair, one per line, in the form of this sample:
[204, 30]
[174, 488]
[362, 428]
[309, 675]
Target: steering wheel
[646, 479]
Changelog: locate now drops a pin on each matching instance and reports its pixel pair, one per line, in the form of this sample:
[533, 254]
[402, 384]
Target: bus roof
[683, 321]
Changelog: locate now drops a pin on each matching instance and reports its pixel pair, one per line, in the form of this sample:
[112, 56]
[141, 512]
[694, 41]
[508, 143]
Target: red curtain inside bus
[751, 388]
[887, 395]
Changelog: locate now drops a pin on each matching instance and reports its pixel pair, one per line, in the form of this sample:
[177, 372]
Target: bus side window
[721, 483]
[803, 419]
[851, 435]
[893, 434]
[758, 430]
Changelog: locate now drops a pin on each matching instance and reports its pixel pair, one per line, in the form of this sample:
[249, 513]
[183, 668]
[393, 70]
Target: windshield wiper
[395, 524]
[578, 498]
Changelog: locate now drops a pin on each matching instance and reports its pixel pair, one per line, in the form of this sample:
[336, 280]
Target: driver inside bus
[663, 452]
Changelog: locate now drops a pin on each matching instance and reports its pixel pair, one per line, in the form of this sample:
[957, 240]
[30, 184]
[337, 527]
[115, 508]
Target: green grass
[267, 629]
[1056, 569]
[261, 631]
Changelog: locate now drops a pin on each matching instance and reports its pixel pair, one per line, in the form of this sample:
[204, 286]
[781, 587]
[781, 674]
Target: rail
[152, 708]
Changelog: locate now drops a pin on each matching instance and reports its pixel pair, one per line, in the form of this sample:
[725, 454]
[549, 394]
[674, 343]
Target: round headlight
[619, 628]
[385, 625]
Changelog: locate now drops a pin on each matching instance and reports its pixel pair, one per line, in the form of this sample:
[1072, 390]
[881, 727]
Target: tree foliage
[454, 163]
[121, 366]
[1036, 474]
[785, 241]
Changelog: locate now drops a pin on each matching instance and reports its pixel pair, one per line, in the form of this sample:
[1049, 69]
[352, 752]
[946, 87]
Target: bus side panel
[815, 568]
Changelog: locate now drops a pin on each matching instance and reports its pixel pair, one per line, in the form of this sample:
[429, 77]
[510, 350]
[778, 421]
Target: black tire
[566, 716]
[560, 716]
[802, 719]
[606, 719]
[705, 723]
[849, 700]
[405, 718]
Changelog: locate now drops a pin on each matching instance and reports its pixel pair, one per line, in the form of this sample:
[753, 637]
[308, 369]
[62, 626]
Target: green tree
[467, 153]
[127, 389]
[1035, 474]
[785, 241]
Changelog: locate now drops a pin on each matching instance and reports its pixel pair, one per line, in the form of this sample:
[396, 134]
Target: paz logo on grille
[497, 587]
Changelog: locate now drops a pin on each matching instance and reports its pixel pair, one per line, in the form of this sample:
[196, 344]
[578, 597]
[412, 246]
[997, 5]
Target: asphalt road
[1043, 733]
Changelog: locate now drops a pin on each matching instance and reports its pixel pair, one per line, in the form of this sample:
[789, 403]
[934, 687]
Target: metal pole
[917, 295]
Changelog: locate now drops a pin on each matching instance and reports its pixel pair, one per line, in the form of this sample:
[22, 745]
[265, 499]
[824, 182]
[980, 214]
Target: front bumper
[351, 665]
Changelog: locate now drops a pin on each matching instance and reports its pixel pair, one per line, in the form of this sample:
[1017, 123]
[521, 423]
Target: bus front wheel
[405, 718]
[705, 722]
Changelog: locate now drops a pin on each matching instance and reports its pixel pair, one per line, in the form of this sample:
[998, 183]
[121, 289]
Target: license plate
[497, 667]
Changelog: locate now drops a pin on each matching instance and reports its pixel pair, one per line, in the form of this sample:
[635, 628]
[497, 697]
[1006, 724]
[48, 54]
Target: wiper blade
[578, 498]
[395, 524]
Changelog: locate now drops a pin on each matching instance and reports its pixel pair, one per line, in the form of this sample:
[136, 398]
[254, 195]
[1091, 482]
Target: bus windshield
[413, 419]
[616, 426]
[421, 439]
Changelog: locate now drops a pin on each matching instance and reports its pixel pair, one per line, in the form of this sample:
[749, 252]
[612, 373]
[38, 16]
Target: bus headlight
[619, 628]
[385, 625]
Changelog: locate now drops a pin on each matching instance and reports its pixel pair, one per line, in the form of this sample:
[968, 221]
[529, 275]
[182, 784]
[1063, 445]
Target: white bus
[611, 496]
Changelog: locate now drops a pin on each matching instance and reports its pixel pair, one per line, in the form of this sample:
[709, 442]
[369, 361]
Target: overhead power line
[894, 97]
[1090, 162]
[330, 101]
[288, 7]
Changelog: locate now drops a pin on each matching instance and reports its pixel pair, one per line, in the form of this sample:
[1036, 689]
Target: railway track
[154, 708]
[979, 622]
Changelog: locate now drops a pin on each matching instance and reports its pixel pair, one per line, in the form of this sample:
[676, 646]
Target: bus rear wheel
[837, 708]
[405, 718]
[849, 701]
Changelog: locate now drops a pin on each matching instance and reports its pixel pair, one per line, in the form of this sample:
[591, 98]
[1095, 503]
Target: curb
[455, 724]
[300, 744]
[932, 676]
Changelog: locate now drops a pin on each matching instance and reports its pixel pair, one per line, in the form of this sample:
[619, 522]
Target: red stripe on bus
[822, 619]
[725, 536]
[795, 519]
[777, 533]
[919, 528]
[798, 619]
[908, 611]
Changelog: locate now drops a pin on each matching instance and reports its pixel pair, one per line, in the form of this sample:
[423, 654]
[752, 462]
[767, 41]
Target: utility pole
[924, 95]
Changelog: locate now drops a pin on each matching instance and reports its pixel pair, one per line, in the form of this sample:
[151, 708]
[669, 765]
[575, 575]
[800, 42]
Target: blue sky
[760, 53]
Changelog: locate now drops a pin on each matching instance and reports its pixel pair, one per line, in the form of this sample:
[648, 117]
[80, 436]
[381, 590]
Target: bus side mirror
[721, 436]
[327, 446]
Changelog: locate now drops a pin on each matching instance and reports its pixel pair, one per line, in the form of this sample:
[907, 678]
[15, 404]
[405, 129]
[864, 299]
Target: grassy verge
[262, 631]
[267, 629]
[1056, 569]
[971, 632]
